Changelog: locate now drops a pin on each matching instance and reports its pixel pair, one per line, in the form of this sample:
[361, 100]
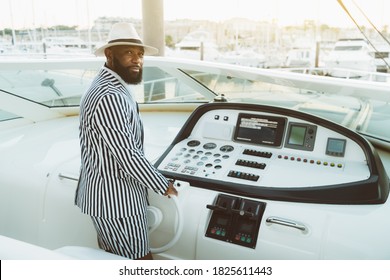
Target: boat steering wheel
[155, 218]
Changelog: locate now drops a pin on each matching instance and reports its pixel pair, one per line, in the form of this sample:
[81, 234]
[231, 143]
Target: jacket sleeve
[119, 126]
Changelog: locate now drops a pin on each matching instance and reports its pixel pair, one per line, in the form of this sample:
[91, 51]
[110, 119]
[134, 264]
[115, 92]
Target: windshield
[368, 116]
[159, 86]
[64, 88]
[50, 88]
[171, 82]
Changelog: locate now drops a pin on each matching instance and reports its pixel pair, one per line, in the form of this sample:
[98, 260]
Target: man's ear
[109, 55]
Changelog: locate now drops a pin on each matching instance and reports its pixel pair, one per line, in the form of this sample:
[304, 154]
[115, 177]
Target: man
[115, 175]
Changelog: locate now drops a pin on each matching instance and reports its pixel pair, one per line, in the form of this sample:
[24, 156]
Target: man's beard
[131, 78]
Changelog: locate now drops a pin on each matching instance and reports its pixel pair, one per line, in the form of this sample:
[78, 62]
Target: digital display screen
[336, 147]
[222, 221]
[245, 227]
[297, 135]
[260, 129]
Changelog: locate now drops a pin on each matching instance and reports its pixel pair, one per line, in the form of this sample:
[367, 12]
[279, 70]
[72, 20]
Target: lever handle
[243, 213]
[216, 207]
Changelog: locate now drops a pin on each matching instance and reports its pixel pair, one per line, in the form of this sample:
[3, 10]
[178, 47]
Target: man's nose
[136, 58]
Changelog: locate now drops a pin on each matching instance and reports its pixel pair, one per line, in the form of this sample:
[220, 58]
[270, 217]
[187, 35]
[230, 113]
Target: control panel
[268, 152]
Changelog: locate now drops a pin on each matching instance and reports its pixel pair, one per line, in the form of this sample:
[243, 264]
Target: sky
[26, 14]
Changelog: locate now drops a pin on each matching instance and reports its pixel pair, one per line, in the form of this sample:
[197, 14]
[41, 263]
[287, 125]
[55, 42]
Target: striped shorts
[127, 237]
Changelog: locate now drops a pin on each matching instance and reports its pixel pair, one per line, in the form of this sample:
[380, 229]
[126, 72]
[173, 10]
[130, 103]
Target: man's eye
[133, 53]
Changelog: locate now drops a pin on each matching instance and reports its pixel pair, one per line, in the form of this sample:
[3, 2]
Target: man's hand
[171, 190]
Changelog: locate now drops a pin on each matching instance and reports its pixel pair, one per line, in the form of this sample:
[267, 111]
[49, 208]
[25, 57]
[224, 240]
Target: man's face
[127, 62]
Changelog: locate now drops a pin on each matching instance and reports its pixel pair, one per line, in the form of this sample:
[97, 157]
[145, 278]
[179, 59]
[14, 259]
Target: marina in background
[238, 41]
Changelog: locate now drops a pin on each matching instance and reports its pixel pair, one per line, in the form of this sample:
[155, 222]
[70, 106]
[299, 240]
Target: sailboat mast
[12, 23]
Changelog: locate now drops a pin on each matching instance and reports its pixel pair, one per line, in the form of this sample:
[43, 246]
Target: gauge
[226, 148]
[193, 143]
[209, 146]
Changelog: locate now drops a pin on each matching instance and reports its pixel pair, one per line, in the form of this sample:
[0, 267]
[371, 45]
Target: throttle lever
[216, 208]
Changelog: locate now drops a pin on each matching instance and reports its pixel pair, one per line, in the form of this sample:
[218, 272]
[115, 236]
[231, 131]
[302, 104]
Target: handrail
[287, 223]
[324, 71]
[70, 177]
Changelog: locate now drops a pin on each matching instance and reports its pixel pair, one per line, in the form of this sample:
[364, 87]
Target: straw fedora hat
[124, 33]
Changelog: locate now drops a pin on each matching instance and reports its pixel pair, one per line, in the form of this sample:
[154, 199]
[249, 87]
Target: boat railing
[343, 73]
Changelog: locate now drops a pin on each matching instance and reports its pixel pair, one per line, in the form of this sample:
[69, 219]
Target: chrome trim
[287, 223]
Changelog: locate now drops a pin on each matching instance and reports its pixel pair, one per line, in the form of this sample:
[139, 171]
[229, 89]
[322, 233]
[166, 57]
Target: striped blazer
[115, 175]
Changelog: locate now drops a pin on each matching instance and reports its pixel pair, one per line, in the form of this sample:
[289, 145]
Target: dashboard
[275, 153]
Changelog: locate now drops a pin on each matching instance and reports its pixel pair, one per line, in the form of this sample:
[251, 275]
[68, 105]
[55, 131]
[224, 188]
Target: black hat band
[136, 41]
